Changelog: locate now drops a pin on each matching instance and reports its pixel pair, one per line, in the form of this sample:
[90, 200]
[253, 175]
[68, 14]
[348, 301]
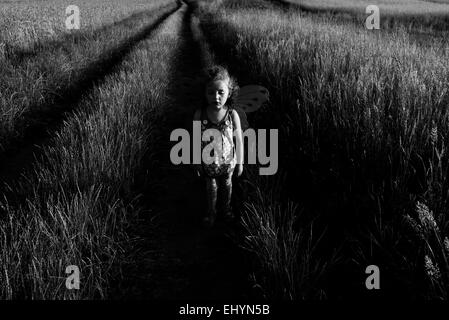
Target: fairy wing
[251, 97]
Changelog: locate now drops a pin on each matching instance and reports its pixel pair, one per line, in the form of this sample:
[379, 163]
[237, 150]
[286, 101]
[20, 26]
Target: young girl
[218, 164]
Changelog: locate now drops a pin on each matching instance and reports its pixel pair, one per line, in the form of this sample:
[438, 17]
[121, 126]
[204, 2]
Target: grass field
[39, 72]
[363, 121]
[74, 205]
[25, 24]
[85, 120]
[401, 7]
[429, 18]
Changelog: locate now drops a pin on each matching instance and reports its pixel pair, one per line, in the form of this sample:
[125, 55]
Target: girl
[218, 163]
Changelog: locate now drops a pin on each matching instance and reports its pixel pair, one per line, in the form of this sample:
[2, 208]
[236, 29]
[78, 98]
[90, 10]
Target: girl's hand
[198, 170]
[239, 169]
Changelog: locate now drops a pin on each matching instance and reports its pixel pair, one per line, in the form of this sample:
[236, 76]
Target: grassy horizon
[421, 18]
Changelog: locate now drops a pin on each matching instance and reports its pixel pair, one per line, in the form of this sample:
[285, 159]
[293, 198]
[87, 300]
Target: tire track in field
[14, 162]
[178, 258]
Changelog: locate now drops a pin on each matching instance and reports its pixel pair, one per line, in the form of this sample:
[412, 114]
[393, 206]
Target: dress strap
[205, 116]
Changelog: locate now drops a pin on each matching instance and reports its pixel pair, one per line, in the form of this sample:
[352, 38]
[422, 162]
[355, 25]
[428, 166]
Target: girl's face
[217, 93]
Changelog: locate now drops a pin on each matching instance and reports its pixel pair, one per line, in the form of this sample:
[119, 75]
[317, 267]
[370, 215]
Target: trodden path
[177, 257]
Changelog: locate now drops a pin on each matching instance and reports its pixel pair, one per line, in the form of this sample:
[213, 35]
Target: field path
[177, 258]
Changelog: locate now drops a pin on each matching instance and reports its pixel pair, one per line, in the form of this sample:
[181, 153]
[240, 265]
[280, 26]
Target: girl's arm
[238, 142]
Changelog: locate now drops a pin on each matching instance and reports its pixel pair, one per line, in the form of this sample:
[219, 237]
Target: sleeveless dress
[222, 162]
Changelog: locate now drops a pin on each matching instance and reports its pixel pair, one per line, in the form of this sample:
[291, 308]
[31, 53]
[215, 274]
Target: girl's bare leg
[211, 190]
[225, 193]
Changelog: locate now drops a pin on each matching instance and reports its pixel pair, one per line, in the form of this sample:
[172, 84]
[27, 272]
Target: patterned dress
[221, 160]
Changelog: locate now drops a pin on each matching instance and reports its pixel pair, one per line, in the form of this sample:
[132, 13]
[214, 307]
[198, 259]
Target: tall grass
[33, 76]
[416, 16]
[28, 24]
[356, 112]
[285, 267]
[406, 7]
[83, 193]
[289, 265]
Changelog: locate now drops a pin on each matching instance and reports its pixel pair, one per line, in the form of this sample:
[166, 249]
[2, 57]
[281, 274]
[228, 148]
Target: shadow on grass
[47, 118]
[17, 56]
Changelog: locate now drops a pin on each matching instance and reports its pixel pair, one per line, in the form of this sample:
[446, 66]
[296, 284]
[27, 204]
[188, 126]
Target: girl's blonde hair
[215, 73]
